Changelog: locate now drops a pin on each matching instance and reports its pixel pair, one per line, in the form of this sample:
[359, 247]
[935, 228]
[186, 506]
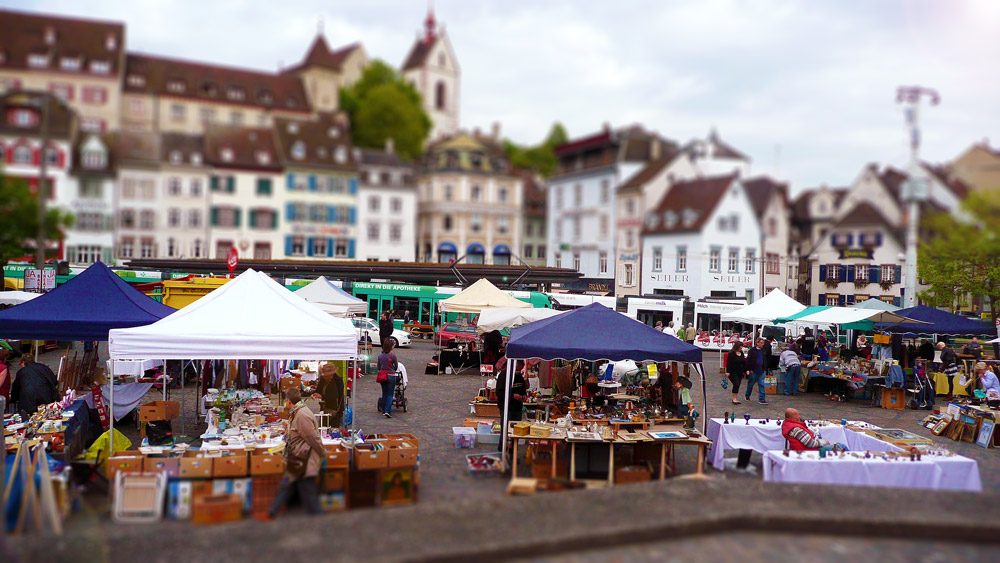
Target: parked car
[451, 332]
[368, 330]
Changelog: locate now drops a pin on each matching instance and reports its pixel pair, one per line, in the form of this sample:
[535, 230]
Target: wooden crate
[487, 409]
[633, 474]
[894, 399]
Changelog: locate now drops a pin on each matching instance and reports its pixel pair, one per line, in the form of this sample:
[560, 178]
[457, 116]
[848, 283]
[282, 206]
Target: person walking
[690, 333]
[387, 366]
[736, 368]
[789, 360]
[304, 454]
[384, 328]
[949, 364]
[756, 364]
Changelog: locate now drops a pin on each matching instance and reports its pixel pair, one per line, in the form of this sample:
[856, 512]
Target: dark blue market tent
[939, 322]
[84, 308]
[595, 332]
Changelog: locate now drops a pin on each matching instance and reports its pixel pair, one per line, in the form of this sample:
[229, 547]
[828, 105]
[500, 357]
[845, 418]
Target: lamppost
[916, 187]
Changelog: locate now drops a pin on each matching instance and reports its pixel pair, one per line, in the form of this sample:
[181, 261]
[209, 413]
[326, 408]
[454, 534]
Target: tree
[384, 106]
[540, 158]
[961, 255]
[19, 217]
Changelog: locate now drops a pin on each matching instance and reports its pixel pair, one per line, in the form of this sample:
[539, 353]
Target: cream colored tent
[478, 296]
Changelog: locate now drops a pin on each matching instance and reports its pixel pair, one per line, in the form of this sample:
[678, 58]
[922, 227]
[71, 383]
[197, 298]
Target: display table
[931, 472]
[459, 360]
[849, 383]
[127, 397]
[761, 436]
[941, 385]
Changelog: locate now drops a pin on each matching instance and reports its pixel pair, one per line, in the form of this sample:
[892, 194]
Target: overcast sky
[805, 87]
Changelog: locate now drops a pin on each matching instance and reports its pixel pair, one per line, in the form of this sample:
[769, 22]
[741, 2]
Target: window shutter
[822, 300]
[252, 219]
[215, 216]
[898, 275]
[843, 274]
[850, 299]
[309, 246]
[878, 239]
[288, 245]
[329, 247]
[71, 254]
[842, 300]
[214, 183]
[351, 217]
[850, 239]
[290, 180]
[352, 184]
[850, 273]
[822, 274]
[274, 220]
[350, 247]
[897, 301]
[875, 274]
[312, 182]
[331, 214]
[230, 184]
[236, 217]
[289, 211]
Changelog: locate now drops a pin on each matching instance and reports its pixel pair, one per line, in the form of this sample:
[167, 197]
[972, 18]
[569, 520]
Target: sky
[806, 88]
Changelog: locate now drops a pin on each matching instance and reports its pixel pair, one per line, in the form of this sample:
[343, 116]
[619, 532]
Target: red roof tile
[24, 34]
[687, 205]
[760, 191]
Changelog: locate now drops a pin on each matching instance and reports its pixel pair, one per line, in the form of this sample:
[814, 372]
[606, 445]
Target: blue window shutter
[850, 299]
[329, 247]
[843, 274]
[898, 275]
[822, 273]
[252, 220]
[290, 180]
[833, 240]
[331, 214]
[875, 274]
[274, 220]
[842, 300]
[288, 245]
[289, 211]
[353, 185]
[850, 273]
[850, 239]
[822, 300]
[351, 218]
[309, 248]
[878, 239]
[215, 216]
[897, 301]
[350, 248]
[312, 182]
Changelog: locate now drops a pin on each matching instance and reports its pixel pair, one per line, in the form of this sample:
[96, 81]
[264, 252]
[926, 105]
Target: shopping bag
[383, 375]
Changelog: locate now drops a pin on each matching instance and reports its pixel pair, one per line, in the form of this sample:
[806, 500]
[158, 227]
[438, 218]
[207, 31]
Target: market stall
[935, 321]
[332, 299]
[16, 297]
[478, 297]
[773, 305]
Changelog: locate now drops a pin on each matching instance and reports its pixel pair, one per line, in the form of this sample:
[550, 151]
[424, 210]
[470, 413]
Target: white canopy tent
[16, 297]
[507, 317]
[876, 304]
[332, 299]
[479, 296]
[251, 317]
[846, 315]
[772, 306]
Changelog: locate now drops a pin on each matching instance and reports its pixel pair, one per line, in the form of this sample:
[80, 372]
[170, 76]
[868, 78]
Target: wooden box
[289, 382]
[539, 431]
[337, 456]
[521, 429]
[159, 410]
[230, 466]
[266, 464]
[214, 509]
[403, 455]
[193, 466]
[893, 399]
[633, 474]
[487, 409]
[170, 466]
[367, 458]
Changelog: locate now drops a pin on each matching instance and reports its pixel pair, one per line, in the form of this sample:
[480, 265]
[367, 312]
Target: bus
[650, 310]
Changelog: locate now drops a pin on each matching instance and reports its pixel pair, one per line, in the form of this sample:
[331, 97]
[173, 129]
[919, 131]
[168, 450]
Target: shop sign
[733, 279]
[39, 281]
[138, 275]
[628, 257]
[591, 284]
[670, 278]
[321, 230]
[852, 253]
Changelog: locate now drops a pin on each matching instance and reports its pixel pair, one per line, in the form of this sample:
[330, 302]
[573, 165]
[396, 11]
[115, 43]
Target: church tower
[432, 68]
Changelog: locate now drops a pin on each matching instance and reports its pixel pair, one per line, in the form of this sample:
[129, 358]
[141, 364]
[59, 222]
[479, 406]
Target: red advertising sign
[233, 259]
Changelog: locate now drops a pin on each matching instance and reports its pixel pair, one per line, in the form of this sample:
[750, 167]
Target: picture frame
[396, 486]
[941, 426]
[985, 438]
[672, 435]
[583, 436]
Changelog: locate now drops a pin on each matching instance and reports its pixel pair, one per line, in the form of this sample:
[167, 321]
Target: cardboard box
[633, 474]
[367, 458]
[333, 480]
[333, 501]
[170, 466]
[337, 456]
[230, 466]
[194, 466]
[214, 509]
[263, 491]
[267, 464]
[404, 455]
[396, 439]
[238, 487]
[159, 410]
[180, 494]
[124, 463]
[289, 382]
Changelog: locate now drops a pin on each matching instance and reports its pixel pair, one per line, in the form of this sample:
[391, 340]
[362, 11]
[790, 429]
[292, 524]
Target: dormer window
[50, 35]
[321, 152]
[175, 157]
[290, 102]
[227, 154]
[670, 219]
[196, 158]
[292, 128]
[298, 150]
[263, 158]
[100, 67]
[357, 154]
[24, 118]
[333, 132]
[136, 80]
[209, 89]
[95, 159]
[111, 42]
[176, 86]
[651, 220]
[265, 97]
[37, 60]
[340, 155]
[71, 63]
[236, 93]
[688, 217]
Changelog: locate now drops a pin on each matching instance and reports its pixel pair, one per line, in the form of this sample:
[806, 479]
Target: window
[395, 232]
[100, 67]
[95, 95]
[396, 205]
[88, 254]
[503, 225]
[888, 272]
[373, 203]
[262, 250]
[207, 115]
[714, 260]
[196, 187]
[657, 258]
[335, 184]
[222, 249]
[576, 227]
[36, 60]
[236, 118]
[176, 86]
[90, 222]
[772, 227]
[319, 246]
[147, 219]
[870, 238]
[723, 223]
[340, 154]
[147, 189]
[773, 263]
[861, 272]
[317, 213]
[734, 223]
[264, 218]
[227, 154]
[264, 186]
[630, 207]
[559, 197]
[629, 238]
[126, 247]
[340, 248]
[833, 272]
[440, 95]
[92, 124]
[576, 261]
[95, 159]
[541, 251]
[196, 159]
[682, 258]
[196, 248]
[225, 217]
[146, 248]
[734, 260]
[91, 189]
[174, 217]
[629, 275]
[128, 188]
[127, 218]
[449, 192]
[70, 63]
[52, 156]
[446, 223]
[558, 260]
[528, 250]
[373, 232]
[175, 157]
[236, 93]
[503, 194]
[298, 246]
[174, 186]
[602, 262]
[578, 195]
[476, 223]
[476, 193]
[136, 80]
[751, 259]
[605, 191]
[171, 247]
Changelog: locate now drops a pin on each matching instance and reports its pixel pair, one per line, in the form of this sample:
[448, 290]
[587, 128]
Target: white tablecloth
[132, 367]
[932, 472]
[761, 436]
[127, 397]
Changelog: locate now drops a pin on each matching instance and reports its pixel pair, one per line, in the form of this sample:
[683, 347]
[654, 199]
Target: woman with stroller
[387, 362]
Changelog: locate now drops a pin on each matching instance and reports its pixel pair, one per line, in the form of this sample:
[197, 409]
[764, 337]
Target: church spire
[430, 25]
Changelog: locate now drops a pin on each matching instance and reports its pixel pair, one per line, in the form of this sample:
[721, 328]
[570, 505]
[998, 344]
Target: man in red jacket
[799, 437]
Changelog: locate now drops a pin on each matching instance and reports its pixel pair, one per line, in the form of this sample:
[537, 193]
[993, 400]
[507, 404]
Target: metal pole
[503, 413]
[42, 181]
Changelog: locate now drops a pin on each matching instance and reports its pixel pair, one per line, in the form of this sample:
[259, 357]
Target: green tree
[961, 255]
[540, 158]
[19, 217]
[384, 106]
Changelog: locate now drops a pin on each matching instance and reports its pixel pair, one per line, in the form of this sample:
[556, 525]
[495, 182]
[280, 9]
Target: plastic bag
[724, 382]
[349, 416]
[100, 447]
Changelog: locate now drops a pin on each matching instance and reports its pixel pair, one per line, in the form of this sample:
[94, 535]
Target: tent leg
[503, 413]
[182, 397]
[111, 406]
[165, 380]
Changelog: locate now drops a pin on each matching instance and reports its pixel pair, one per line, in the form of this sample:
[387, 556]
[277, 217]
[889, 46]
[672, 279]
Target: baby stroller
[399, 400]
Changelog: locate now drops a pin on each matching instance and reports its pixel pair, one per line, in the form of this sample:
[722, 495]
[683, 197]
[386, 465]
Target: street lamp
[916, 187]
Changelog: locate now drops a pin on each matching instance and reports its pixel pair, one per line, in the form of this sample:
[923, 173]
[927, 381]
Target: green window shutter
[215, 216]
[236, 217]
[251, 219]
[230, 184]
[263, 186]
[214, 183]
[274, 220]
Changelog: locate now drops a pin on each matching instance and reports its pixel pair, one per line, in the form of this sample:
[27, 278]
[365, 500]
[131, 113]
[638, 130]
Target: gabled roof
[958, 187]
[249, 148]
[863, 214]
[687, 205]
[214, 83]
[893, 181]
[62, 119]
[139, 147]
[24, 34]
[719, 148]
[375, 157]
[325, 142]
[760, 190]
[647, 173]
[419, 52]
[320, 55]
[800, 207]
[110, 142]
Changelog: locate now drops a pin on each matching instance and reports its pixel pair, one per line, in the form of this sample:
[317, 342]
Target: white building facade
[387, 207]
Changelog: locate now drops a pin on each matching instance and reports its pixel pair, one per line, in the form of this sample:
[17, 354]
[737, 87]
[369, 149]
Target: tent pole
[182, 396]
[111, 407]
[704, 397]
[165, 380]
[503, 414]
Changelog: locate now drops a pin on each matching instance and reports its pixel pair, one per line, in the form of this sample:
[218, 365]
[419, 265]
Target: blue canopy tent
[593, 333]
[939, 322]
[84, 308]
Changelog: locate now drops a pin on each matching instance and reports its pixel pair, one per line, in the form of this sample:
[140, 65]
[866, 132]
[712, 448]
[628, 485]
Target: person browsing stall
[991, 386]
[34, 386]
[682, 389]
[789, 360]
[949, 364]
[304, 454]
[799, 437]
[330, 390]
[974, 349]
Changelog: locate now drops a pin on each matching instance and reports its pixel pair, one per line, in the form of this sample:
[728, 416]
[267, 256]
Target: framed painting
[985, 438]
[397, 486]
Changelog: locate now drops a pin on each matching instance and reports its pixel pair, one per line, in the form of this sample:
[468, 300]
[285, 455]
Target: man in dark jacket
[384, 328]
[330, 390]
[756, 365]
[35, 385]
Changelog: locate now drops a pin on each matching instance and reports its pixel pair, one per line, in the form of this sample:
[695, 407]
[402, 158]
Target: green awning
[803, 313]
